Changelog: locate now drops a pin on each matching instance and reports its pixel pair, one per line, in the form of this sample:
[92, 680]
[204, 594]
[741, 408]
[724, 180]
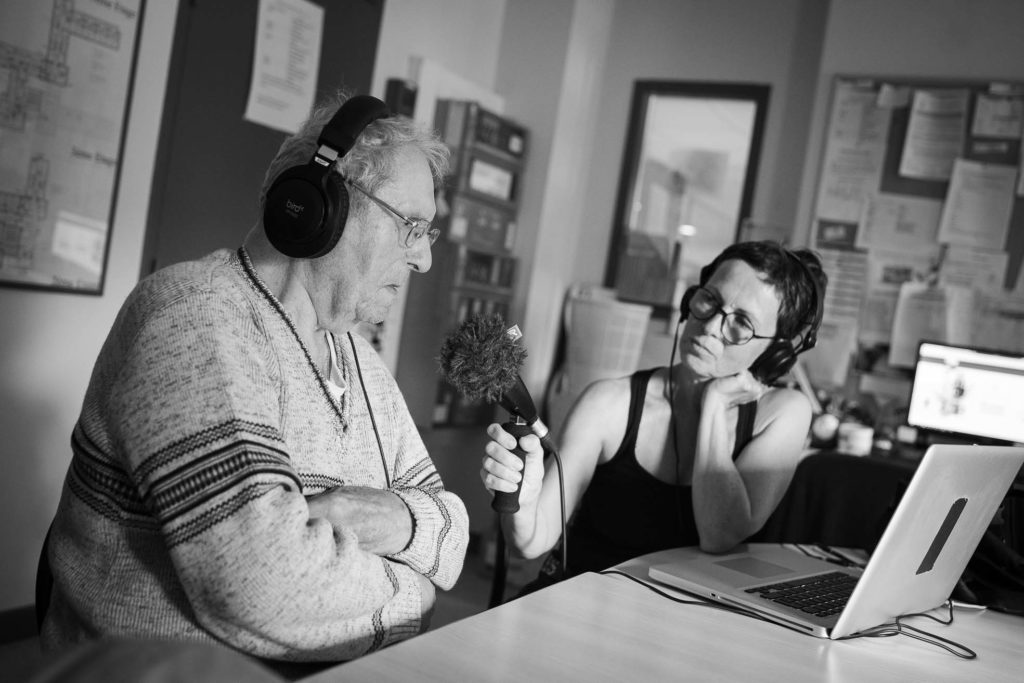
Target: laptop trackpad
[751, 566]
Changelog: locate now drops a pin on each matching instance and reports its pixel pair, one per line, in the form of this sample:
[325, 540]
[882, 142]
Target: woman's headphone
[305, 211]
[781, 354]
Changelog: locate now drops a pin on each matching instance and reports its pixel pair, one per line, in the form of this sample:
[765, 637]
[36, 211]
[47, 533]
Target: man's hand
[380, 519]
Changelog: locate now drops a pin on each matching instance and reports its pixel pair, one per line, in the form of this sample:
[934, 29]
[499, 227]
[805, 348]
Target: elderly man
[245, 469]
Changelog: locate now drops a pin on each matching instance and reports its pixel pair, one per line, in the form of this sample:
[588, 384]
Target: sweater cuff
[403, 615]
[424, 544]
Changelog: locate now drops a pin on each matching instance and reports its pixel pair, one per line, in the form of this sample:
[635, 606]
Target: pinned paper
[929, 313]
[978, 207]
[286, 63]
[935, 133]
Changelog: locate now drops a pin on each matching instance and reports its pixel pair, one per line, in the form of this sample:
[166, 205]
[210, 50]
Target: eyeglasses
[415, 227]
[736, 327]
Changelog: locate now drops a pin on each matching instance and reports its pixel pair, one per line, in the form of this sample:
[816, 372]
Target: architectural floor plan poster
[65, 73]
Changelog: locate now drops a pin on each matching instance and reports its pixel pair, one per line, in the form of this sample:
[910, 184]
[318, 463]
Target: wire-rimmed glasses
[736, 327]
[415, 227]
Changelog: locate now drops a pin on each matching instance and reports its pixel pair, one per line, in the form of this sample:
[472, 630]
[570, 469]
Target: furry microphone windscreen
[481, 359]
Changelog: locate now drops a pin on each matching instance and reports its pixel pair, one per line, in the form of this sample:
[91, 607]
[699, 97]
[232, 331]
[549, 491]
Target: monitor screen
[973, 393]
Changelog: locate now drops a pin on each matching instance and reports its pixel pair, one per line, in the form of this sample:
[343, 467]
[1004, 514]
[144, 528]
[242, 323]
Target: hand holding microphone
[481, 360]
[513, 465]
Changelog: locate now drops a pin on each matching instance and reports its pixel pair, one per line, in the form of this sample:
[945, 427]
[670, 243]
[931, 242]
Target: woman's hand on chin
[736, 389]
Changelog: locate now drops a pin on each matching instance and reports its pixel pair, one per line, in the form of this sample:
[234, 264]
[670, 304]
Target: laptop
[927, 543]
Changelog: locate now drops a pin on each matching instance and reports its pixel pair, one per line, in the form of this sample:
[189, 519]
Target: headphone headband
[809, 337]
[351, 119]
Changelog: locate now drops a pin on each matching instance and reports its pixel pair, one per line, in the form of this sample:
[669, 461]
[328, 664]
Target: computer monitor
[967, 393]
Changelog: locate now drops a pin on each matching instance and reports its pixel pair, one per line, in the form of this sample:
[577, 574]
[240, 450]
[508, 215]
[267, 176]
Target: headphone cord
[501, 559]
[561, 500]
[369, 408]
[672, 418]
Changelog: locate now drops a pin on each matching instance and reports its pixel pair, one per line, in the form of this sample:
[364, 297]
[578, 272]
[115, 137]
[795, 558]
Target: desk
[598, 627]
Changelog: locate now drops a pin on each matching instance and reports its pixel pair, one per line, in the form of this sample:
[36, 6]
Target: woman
[698, 453]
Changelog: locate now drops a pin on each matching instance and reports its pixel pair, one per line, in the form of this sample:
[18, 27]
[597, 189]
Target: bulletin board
[919, 220]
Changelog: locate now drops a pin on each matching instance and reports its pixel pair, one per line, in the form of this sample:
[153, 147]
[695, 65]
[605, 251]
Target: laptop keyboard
[822, 595]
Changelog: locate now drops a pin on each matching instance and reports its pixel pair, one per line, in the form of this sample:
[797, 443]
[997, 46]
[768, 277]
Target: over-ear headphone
[780, 356]
[305, 211]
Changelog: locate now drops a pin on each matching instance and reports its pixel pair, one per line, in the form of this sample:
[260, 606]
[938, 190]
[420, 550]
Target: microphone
[481, 359]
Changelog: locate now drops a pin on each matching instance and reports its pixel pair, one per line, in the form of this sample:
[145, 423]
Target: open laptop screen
[973, 393]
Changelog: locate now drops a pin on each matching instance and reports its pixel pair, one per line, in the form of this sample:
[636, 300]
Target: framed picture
[66, 77]
[686, 186]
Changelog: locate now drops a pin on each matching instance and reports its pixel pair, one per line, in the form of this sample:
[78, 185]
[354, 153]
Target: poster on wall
[66, 84]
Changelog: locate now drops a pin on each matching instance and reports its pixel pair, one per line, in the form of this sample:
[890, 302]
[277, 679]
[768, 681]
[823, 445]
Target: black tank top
[627, 511]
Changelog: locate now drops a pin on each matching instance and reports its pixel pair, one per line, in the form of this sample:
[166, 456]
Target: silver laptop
[935, 529]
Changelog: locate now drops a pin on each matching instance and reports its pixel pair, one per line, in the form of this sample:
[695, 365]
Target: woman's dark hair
[801, 288]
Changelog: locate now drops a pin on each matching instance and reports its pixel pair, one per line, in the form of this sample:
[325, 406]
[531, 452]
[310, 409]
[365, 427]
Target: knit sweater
[183, 513]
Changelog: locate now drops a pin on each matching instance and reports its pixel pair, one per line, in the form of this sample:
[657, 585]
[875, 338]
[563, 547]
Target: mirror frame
[657, 265]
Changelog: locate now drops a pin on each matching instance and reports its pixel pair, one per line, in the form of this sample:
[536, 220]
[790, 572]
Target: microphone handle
[508, 502]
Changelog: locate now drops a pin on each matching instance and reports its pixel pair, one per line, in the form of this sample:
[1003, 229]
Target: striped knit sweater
[183, 513]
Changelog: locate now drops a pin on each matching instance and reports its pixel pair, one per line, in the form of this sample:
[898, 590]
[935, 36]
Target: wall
[551, 70]
[48, 342]
[461, 35]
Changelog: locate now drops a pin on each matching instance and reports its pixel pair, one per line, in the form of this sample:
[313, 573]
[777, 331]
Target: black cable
[833, 556]
[672, 417]
[500, 570]
[898, 628]
[697, 602]
[501, 558]
[561, 500]
[884, 631]
[369, 408]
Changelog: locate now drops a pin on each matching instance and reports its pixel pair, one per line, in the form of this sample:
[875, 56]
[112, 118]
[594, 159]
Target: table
[605, 627]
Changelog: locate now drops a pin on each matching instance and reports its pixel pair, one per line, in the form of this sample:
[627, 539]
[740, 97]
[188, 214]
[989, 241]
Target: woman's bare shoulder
[785, 404]
[603, 404]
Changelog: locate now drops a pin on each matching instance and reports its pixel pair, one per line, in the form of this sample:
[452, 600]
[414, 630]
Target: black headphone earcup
[305, 211]
[306, 208]
[775, 362]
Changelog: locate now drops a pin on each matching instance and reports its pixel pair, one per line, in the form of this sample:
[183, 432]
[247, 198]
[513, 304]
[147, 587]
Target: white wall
[48, 342]
[551, 72]
[460, 35]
